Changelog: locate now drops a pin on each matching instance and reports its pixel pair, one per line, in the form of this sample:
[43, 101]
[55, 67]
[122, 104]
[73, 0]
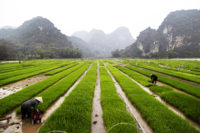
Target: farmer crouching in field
[26, 107]
[153, 78]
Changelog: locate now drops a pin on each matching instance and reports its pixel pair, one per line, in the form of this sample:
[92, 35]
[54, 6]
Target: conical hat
[39, 99]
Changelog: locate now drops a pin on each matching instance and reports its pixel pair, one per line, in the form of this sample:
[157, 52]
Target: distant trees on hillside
[7, 50]
[10, 51]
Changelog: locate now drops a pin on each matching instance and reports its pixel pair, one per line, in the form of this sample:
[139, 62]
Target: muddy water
[97, 120]
[175, 110]
[17, 86]
[142, 124]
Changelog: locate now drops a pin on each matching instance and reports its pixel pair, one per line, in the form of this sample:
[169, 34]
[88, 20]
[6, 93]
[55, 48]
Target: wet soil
[97, 125]
[142, 124]
[17, 86]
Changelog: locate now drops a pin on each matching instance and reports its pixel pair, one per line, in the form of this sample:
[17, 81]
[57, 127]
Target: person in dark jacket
[153, 78]
[27, 105]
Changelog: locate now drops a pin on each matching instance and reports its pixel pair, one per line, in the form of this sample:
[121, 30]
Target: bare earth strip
[17, 86]
[97, 125]
[168, 105]
[142, 124]
[27, 127]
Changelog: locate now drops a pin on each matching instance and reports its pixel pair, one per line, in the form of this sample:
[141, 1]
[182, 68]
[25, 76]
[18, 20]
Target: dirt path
[172, 77]
[142, 124]
[17, 86]
[26, 126]
[175, 110]
[97, 120]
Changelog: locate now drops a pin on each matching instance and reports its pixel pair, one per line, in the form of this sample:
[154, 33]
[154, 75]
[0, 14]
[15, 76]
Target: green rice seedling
[182, 75]
[140, 78]
[74, 115]
[193, 90]
[114, 109]
[12, 101]
[19, 75]
[60, 69]
[159, 117]
[189, 105]
[54, 92]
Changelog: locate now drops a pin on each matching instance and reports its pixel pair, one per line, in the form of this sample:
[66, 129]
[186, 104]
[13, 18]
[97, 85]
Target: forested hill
[177, 36]
[38, 38]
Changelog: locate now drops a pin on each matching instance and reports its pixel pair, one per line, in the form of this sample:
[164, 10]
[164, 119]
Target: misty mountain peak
[103, 43]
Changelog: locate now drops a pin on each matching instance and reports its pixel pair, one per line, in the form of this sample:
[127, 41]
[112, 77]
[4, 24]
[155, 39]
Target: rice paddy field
[102, 95]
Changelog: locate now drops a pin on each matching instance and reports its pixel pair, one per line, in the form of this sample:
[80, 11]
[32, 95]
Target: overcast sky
[75, 15]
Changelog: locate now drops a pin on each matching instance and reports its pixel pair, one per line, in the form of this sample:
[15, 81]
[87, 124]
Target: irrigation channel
[26, 126]
[97, 120]
[19, 85]
[168, 105]
[142, 124]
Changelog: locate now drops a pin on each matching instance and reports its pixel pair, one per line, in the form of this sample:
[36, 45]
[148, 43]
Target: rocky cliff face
[177, 36]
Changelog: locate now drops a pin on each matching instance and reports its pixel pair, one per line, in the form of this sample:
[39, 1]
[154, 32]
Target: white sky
[75, 15]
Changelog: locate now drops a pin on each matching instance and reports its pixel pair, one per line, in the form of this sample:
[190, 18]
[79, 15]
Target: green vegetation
[15, 99]
[189, 105]
[60, 69]
[114, 109]
[159, 117]
[140, 78]
[10, 77]
[55, 91]
[74, 115]
[186, 76]
[193, 90]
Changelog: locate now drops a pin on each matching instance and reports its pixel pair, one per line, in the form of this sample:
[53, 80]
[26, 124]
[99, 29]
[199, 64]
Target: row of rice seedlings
[8, 67]
[186, 76]
[74, 115]
[193, 90]
[139, 77]
[101, 63]
[159, 117]
[27, 75]
[114, 109]
[22, 74]
[187, 104]
[10, 102]
[192, 65]
[29, 70]
[54, 92]
[60, 69]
